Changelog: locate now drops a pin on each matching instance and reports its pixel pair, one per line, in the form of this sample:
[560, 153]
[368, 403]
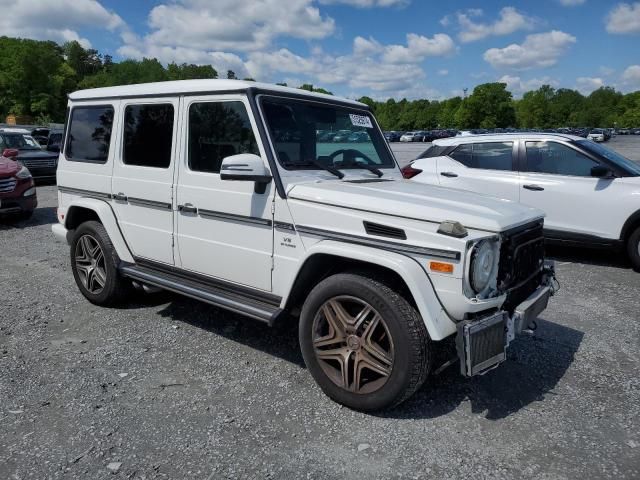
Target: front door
[142, 182]
[223, 227]
[556, 178]
[481, 167]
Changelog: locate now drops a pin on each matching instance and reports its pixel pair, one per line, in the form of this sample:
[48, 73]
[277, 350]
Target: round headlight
[483, 265]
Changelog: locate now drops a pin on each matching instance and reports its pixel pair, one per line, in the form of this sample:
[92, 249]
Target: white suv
[590, 194]
[222, 191]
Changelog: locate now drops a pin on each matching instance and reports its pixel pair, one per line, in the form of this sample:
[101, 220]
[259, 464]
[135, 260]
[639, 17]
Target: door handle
[188, 208]
[535, 188]
[121, 197]
[449, 174]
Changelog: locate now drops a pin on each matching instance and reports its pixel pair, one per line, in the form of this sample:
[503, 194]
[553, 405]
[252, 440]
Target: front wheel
[633, 249]
[364, 343]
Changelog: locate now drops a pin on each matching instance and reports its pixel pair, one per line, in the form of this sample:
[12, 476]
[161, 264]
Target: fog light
[29, 192]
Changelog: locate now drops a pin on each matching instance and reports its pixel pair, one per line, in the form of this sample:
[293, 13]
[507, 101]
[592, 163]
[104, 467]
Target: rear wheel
[633, 249]
[365, 344]
[94, 262]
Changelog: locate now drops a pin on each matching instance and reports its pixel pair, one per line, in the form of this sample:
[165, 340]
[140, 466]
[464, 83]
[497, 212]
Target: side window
[552, 157]
[89, 134]
[3, 145]
[218, 130]
[148, 135]
[463, 154]
[487, 156]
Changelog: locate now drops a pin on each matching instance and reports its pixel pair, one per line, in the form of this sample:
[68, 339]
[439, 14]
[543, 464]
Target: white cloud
[586, 85]
[237, 25]
[57, 20]
[369, 3]
[363, 47]
[537, 51]
[571, 3]
[631, 77]
[624, 18]
[443, 72]
[606, 71]
[509, 21]
[518, 86]
[418, 48]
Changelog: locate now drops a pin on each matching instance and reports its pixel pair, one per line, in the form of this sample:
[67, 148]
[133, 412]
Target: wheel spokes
[90, 264]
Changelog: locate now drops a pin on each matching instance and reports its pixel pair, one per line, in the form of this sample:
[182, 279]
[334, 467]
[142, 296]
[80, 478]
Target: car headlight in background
[23, 172]
[483, 271]
[29, 192]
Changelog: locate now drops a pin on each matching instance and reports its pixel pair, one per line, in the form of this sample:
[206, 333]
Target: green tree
[489, 106]
[190, 71]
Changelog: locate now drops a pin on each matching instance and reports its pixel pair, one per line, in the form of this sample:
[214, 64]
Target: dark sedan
[24, 148]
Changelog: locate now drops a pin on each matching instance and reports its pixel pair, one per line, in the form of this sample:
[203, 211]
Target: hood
[8, 167]
[32, 154]
[403, 198]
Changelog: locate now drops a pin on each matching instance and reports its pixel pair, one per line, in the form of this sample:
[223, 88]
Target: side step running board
[253, 308]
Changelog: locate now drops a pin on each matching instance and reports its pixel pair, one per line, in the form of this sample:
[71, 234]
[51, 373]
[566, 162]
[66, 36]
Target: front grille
[521, 262]
[39, 162]
[7, 185]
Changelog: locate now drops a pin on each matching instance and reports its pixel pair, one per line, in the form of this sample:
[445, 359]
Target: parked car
[17, 191]
[54, 142]
[412, 137]
[342, 136]
[590, 194]
[377, 271]
[40, 163]
[597, 135]
[392, 136]
[358, 137]
[41, 135]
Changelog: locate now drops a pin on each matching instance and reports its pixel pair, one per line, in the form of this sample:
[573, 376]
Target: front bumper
[482, 343]
[14, 205]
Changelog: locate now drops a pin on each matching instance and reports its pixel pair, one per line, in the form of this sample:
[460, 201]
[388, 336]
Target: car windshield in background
[309, 135]
[629, 165]
[21, 142]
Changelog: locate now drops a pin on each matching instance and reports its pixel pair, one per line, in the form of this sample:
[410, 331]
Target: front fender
[107, 218]
[438, 323]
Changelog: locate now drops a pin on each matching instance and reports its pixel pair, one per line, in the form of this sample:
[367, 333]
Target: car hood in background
[35, 154]
[8, 167]
[402, 198]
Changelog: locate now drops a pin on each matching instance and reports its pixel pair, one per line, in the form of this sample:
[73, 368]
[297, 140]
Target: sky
[380, 48]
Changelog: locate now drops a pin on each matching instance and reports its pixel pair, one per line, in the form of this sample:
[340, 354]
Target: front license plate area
[482, 343]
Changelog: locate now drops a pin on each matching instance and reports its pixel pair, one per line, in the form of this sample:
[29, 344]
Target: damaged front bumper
[482, 343]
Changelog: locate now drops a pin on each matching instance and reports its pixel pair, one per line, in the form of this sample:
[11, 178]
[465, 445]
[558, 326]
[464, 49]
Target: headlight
[23, 172]
[484, 267]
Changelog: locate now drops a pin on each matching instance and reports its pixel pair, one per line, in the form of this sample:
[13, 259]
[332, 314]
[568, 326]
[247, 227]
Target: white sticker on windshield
[360, 121]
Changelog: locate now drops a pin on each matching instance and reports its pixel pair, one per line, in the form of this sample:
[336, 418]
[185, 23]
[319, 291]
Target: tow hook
[532, 327]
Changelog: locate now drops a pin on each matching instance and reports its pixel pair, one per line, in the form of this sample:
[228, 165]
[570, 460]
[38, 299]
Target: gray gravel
[171, 388]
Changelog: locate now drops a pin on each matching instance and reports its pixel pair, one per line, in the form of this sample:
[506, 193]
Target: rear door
[556, 178]
[142, 185]
[481, 167]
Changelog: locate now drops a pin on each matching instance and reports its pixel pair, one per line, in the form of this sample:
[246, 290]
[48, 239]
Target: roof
[504, 137]
[180, 87]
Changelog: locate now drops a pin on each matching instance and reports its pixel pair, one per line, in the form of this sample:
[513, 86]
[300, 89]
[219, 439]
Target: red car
[17, 189]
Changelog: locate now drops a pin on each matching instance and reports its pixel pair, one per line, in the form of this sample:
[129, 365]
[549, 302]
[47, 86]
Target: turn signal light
[410, 172]
[441, 267]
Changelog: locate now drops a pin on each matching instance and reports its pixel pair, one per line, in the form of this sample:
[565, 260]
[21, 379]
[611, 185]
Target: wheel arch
[630, 225]
[329, 257]
[83, 209]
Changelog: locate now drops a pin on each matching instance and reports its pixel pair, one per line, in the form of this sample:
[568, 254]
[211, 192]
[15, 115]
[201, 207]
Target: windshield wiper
[366, 166]
[319, 165]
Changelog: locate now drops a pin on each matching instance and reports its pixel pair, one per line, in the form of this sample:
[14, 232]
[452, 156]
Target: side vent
[384, 231]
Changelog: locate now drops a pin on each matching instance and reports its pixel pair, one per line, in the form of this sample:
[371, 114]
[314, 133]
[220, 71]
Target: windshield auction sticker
[360, 121]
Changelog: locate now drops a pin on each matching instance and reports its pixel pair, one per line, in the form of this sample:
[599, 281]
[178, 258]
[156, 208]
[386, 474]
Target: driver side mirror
[600, 171]
[246, 167]
[10, 153]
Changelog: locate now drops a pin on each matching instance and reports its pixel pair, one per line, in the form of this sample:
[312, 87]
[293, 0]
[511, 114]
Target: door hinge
[273, 208]
[273, 264]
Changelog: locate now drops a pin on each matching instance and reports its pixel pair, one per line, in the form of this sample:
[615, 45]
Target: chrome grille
[39, 162]
[7, 185]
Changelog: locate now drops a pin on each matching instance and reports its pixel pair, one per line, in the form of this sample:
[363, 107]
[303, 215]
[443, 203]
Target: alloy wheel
[352, 344]
[90, 264]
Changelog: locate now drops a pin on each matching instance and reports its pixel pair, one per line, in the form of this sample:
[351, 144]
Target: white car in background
[597, 135]
[409, 137]
[590, 194]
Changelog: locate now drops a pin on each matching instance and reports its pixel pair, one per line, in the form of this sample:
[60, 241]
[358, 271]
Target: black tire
[633, 249]
[116, 287]
[408, 336]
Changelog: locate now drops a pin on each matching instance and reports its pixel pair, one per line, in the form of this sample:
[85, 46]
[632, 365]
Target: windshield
[21, 142]
[309, 135]
[611, 155]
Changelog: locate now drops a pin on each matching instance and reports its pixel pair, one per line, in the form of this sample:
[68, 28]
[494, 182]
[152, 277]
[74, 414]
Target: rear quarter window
[89, 134]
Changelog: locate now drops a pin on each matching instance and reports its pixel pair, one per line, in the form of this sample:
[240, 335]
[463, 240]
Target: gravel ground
[171, 388]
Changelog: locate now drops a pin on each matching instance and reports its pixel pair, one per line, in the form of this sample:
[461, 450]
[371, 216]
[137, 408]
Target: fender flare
[438, 323]
[107, 218]
[633, 220]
